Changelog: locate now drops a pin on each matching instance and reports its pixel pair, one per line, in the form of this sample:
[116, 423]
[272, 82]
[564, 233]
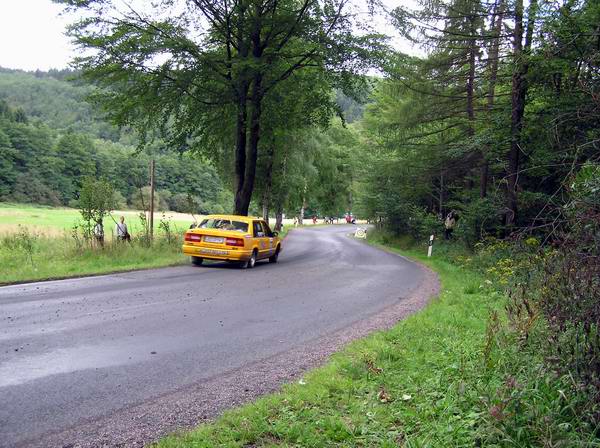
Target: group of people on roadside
[122, 232]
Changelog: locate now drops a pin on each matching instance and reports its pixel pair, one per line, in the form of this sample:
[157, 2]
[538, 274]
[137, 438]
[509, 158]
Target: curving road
[98, 361]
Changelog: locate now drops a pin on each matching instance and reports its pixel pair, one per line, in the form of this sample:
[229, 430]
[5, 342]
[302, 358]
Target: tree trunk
[240, 150]
[471, 84]
[518, 96]
[301, 216]
[244, 195]
[471, 77]
[281, 199]
[266, 203]
[266, 199]
[278, 218]
[441, 198]
[303, 208]
[493, 55]
[256, 97]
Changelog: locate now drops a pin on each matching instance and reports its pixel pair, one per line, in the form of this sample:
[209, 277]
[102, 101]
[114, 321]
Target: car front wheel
[273, 258]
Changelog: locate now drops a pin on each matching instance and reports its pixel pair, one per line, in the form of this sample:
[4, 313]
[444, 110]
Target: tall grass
[27, 255]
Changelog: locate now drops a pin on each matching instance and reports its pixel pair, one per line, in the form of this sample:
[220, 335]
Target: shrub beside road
[26, 256]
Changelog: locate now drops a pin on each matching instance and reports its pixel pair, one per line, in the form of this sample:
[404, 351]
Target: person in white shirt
[99, 232]
[122, 233]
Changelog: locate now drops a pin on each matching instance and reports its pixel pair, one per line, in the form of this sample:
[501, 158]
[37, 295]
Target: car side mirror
[275, 233]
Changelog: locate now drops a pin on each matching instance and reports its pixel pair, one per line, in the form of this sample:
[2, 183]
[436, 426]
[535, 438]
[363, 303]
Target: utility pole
[151, 220]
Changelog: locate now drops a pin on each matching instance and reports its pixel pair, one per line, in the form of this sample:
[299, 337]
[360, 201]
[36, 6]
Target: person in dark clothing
[449, 224]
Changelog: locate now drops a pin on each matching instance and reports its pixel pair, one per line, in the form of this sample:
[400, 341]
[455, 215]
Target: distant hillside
[50, 139]
[351, 109]
[56, 100]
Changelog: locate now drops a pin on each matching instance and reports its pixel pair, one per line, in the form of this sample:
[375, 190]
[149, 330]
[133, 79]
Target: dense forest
[53, 137]
[42, 165]
[494, 123]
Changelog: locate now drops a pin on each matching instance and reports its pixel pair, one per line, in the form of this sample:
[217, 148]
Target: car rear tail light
[193, 237]
[234, 242]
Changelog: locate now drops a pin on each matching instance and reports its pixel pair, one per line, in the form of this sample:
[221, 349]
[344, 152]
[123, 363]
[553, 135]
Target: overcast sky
[32, 35]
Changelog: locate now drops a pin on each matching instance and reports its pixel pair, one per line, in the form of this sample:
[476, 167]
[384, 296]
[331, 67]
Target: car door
[259, 239]
[270, 239]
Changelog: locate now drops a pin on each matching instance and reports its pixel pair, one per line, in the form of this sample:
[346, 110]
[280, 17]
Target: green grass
[58, 257]
[54, 221]
[37, 245]
[448, 376]
[55, 254]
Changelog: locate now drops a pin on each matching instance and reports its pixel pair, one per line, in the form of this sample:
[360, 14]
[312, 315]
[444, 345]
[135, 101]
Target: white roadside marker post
[361, 232]
[430, 248]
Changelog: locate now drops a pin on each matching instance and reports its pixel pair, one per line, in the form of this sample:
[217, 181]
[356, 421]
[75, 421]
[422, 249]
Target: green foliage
[60, 257]
[23, 241]
[50, 98]
[43, 166]
[431, 141]
[96, 200]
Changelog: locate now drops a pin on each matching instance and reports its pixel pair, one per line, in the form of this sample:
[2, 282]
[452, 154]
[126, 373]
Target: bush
[30, 189]
[478, 218]
[415, 221]
[120, 202]
[164, 198]
[140, 199]
[184, 203]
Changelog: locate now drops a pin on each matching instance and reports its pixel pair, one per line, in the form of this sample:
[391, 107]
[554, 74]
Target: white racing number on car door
[260, 235]
[269, 234]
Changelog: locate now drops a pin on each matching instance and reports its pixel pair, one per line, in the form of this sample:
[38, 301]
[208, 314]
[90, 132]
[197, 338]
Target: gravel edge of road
[182, 410]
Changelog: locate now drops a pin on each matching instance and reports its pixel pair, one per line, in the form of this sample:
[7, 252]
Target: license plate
[213, 251]
[213, 239]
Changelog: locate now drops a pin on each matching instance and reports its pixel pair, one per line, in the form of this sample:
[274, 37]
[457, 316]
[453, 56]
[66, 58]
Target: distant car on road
[233, 238]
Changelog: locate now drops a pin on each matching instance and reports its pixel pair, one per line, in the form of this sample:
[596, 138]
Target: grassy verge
[454, 374]
[54, 221]
[53, 258]
[27, 256]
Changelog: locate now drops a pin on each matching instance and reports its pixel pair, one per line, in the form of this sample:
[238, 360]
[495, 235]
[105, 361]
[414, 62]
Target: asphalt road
[74, 351]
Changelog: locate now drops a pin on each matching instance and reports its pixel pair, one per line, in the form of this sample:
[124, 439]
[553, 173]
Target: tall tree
[188, 67]
[521, 53]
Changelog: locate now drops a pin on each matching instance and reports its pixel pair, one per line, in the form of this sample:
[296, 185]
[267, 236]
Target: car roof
[233, 217]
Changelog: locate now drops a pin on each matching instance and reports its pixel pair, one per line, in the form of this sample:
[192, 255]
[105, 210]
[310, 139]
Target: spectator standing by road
[122, 233]
[449, 224]
[99, 232]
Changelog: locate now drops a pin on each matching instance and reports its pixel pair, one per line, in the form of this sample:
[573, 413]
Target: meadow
[39, 243]
[54, 221]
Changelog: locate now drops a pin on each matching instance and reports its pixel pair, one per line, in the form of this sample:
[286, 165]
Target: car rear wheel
[197, 261]
[251, 262]
[273, 258]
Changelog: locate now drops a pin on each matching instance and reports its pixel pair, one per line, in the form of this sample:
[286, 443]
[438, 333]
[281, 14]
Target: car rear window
[224, 224]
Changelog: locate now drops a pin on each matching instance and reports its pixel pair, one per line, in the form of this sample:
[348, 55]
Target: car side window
[266, 229]
[258, 230]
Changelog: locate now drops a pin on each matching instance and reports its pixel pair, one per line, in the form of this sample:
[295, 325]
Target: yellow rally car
[232, 238]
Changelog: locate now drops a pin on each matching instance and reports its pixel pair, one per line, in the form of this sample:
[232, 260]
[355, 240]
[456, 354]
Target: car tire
[197, 261]
[275, 256]
[251, 262]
